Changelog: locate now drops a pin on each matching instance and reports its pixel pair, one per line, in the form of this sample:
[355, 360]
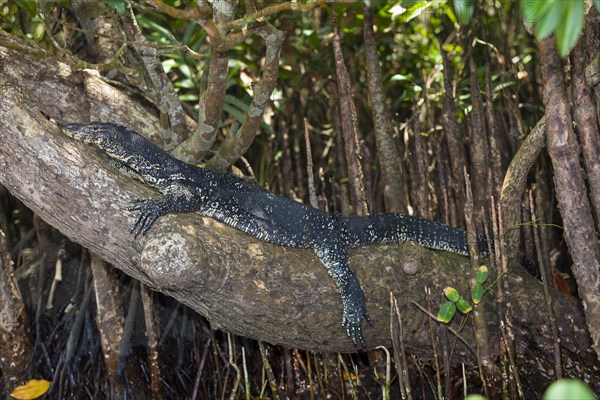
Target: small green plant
[456, 301]
[569, 389]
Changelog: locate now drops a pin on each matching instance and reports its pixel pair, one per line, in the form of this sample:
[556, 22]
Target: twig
[193, 12]
[484, 360]
[199, 372]
[349, 125]
[434, 346]
[232, 362]
[134, 299]
[455, 333]
[57, 279]
[388, 372]
[547, 297]
[235, 146]
[269, 10]
[312, 195]
[172, 114]
[153, 357]
[506, 324]
[399, 350]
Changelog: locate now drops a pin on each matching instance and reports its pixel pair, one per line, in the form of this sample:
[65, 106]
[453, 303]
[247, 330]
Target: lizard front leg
[335, 260]
[176, 198]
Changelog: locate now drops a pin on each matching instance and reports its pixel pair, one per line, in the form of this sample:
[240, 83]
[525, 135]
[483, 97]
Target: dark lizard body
[263, 215]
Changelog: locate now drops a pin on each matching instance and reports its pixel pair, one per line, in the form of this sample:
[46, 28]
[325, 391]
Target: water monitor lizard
[263, 215]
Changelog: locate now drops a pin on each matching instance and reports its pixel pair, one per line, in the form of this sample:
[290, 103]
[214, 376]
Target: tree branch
[395, 191]
[235, 145]
[571, 191]
[514, 186]
[162, 90]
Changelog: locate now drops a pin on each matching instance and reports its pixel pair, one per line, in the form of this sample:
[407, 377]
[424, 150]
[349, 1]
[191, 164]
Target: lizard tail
[395, 228]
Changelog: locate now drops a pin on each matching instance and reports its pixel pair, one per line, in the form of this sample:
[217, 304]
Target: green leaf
[482, 274]
[400, 77]
[234, 112]
[418, 9]
[447, 311]
[569, 389]
[237, 103]
[549, 21]
[570, 29]
[464, 306]
[464, 10]
[117, 5]
[477, 293]
[501, 86]
[597, 4]
[449, 12]
[451, 294]
[188, 97]
[160, 34]
[168, 64]
[475, 397]
[531, 10]
[29, 6]
[186, 83]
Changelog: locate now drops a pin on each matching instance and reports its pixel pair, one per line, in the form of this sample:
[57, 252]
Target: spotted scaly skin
[253, 210]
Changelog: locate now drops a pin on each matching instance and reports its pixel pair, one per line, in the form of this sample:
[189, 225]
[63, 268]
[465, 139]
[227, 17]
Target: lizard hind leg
[335, 261]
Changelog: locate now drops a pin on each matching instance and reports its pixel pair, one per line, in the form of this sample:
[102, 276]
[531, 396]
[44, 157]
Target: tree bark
[454, 139]
[586, 120]
[392, 174]
[479, 147]
[16, 344]
[513, 188]
[241, 285]
[571, 192]
[349, 125]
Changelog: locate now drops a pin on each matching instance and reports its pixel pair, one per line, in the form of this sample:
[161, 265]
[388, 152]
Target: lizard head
[116, 140]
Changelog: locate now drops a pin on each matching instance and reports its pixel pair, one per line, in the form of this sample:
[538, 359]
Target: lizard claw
[149, 209]
[356, 335]
[354, 312]
[134, 205]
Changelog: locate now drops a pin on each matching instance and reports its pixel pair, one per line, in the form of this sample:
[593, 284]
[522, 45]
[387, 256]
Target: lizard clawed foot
[352, 321]
[150, 210]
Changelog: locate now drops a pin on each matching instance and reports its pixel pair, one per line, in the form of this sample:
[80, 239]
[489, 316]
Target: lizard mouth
[78, 132]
